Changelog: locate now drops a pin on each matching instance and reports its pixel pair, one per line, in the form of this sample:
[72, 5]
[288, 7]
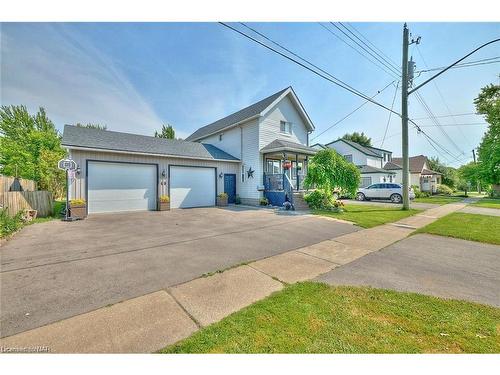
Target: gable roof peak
[254, 110]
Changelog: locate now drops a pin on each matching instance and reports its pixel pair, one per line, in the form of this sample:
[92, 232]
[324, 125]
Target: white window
[286, 127]
[348, 158]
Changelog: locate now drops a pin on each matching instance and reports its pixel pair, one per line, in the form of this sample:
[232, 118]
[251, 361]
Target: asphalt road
[435, 265]
[55, 270]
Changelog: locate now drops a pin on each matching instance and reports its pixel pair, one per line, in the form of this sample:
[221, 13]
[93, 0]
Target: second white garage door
[192, 187]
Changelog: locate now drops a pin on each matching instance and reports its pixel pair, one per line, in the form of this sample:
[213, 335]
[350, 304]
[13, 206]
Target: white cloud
[51, 66]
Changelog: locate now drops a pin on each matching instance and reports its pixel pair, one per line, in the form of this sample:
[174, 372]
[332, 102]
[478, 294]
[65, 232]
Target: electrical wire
[390, 114]
[333, 80]
[357, 51]
[350, 113]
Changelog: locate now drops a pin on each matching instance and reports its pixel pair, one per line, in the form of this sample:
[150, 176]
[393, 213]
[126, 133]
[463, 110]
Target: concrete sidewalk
[155, 320]
[481, 211]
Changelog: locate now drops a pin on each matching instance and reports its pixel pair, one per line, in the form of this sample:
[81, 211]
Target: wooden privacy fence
[16, 201]
[16, 184]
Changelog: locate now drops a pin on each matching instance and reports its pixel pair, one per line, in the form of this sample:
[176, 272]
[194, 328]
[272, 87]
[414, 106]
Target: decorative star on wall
[250, 172]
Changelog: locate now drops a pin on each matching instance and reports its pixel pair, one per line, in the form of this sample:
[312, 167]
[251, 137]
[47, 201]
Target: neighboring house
[420, 174]
[261, 150]
[369, 160]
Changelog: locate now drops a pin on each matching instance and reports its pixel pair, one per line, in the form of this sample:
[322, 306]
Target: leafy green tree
[470, 174]
[93, 126]
[328, 171]
[30, 147]
[449, 174]
[360, 138]
[167, 131]
[488, 104]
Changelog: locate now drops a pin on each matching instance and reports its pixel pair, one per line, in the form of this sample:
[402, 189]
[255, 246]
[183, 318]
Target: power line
[443, 116]
[333, 80]
[442, 97]
[393, 71]
[491, 60]
[376, 55]
[357, 51]
[378, 49]
[436, 121]
[390, 114]
[466, 124]
[351, 113]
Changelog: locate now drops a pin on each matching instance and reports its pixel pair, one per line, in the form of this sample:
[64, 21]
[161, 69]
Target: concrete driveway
[56, 270]
[440, 266]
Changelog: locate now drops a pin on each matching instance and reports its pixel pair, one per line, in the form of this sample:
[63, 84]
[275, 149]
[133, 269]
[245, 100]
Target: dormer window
[286, 127]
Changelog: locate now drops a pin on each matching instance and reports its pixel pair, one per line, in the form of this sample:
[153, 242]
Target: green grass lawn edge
[466, 226]
[312, 317]
[368, 216]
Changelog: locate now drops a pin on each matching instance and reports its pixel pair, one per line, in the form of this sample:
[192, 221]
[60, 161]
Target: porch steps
[299, 203]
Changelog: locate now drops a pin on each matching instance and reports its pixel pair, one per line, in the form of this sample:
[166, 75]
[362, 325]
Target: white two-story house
[369, 160]
[259, 151]
[271, 139]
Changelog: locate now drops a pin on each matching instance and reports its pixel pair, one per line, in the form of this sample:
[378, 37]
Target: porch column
[297, 170]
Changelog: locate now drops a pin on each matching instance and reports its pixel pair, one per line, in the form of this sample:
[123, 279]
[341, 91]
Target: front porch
[284, 172]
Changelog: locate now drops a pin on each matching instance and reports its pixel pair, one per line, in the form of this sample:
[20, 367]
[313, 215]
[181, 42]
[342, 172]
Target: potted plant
[222, 199]
[287, 165]
[264, 201]
[164, 203]
[78, 208]
[237, 199]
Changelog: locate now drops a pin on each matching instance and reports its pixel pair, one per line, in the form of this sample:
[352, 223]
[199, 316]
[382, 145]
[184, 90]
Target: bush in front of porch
[328, 172]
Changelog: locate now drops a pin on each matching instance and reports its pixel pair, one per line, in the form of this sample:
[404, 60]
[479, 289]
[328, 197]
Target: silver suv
[391, 191]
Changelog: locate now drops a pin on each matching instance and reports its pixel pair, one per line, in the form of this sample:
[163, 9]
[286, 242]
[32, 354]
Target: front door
[230, 187]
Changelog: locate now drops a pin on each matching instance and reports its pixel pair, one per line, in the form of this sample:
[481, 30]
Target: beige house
[420, 174]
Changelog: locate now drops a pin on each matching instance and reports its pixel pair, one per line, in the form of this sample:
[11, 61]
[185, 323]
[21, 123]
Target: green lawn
[488, 203]
[316, 318]
[368, 216]
[482, 228]
[439, 199]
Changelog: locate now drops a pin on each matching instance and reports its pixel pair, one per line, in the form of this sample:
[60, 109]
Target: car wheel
[396, 198]
[360, 197]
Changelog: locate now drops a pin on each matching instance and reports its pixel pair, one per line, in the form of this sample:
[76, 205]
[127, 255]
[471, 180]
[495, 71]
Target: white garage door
[116, 187]
[192, 187]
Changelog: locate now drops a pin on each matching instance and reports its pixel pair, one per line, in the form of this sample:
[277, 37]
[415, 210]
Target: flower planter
[78, 211]
[163, 206]
[222, 201]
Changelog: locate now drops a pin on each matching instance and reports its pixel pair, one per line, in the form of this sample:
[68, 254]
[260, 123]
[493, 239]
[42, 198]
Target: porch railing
[273, 181]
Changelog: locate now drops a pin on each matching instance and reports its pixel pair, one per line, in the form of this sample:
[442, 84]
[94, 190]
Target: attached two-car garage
[114, 187]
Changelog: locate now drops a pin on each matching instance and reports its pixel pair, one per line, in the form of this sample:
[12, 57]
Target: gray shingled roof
[378, 151]
[416, 162]
[110, 140]
[280, 144]
[391, 166]
[241, 115]
[357, 146]
[370, 169]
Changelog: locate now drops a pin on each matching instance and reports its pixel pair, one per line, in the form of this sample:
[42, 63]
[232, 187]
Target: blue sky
[134, 77]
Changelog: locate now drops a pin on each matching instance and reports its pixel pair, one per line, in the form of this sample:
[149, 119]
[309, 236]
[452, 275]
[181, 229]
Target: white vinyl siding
[77, 188]
[270, 124]
[358, 158]
[230, 142]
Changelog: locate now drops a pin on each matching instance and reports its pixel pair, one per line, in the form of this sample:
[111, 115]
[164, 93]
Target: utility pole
[404, 120]
[478, 183]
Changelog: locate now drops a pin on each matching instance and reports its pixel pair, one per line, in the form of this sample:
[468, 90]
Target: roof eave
[97, 149]
[298, 104]
[292, 149]
[223, 129]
